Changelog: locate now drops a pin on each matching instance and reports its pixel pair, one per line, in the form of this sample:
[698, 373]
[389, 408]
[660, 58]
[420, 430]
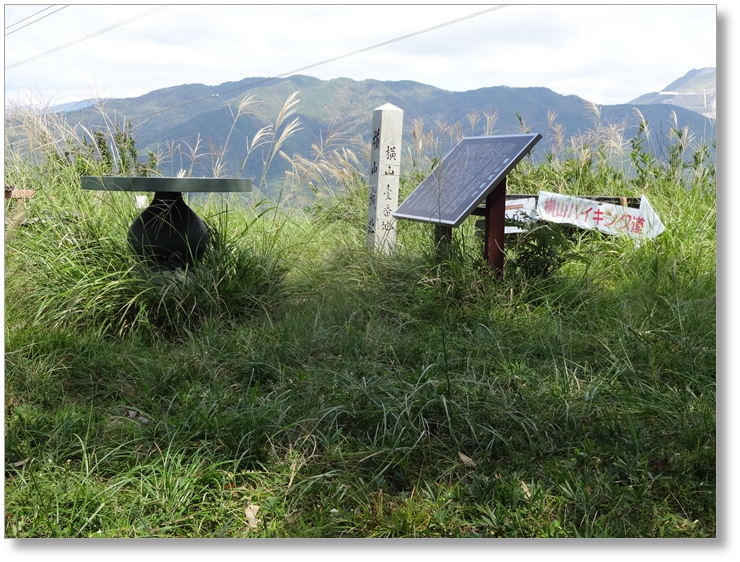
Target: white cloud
[608, 54]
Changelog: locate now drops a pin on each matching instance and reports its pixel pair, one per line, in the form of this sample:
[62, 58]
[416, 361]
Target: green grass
[352, 394]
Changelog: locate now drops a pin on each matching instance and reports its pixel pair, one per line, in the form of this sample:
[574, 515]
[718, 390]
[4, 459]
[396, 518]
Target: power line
[24, 19]
[87, 37]
[36, 21]
[325, 62]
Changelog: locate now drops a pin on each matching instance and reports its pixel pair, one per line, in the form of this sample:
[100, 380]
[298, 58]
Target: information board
[464, 177]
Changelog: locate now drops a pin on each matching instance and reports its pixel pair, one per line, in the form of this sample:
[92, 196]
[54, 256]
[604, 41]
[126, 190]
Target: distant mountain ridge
[71, 106]
[695, 91]
[193, 113]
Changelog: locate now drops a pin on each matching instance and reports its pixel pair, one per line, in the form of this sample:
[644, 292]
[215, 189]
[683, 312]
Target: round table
[168, 233]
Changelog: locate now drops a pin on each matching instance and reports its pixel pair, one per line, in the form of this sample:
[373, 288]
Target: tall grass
[295, 384]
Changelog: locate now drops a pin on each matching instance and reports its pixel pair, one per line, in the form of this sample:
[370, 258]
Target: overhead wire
[34, 21]
[258, 82]
[28, 17]
[263, 80]
[86, 37]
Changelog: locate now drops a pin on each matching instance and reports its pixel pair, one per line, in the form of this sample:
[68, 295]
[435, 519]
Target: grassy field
[295, 384]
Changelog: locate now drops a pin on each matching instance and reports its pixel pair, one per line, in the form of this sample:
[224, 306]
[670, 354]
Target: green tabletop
[167, 185]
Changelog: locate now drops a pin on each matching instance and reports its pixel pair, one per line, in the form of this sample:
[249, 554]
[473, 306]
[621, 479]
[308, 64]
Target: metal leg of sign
[494, 236]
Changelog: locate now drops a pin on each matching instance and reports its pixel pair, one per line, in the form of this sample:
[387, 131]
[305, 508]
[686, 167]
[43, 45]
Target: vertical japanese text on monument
[384, 173]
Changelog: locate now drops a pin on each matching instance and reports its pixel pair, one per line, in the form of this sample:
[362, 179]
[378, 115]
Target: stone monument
[385, 171]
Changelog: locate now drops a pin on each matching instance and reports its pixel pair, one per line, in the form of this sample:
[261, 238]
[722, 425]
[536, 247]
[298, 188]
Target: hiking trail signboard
[464, 178]
[471, 173]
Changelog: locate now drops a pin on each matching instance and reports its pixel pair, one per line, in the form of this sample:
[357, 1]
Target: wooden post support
[442, 240]
[385, 171]
[495, 222]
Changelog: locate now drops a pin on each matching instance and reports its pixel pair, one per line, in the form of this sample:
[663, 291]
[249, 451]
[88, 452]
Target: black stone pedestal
[168, 233]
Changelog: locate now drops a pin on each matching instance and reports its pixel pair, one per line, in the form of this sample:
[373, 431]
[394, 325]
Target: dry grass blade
[218, 157]
[285, 132]
[417, 135]
[261, 137]
[288, 131]
[594, 110]
[219, 163]
[246, 103]
[442, 127]
[643, 122]
[523, 127]
[557, 133]
[473, 118]
[288, 109]
[491, 118]
[458, 132]
[194, 155]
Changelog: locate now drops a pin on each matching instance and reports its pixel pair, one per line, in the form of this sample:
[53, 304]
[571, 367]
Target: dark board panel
[464, 177]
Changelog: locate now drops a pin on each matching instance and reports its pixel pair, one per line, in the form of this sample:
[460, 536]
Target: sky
[606, 54]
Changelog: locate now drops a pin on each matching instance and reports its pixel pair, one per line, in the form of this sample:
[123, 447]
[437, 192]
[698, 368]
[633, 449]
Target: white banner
[524, 210]
[608, 218]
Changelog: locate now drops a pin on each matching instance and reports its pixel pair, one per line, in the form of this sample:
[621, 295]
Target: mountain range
[696, 91]
[183, 116]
